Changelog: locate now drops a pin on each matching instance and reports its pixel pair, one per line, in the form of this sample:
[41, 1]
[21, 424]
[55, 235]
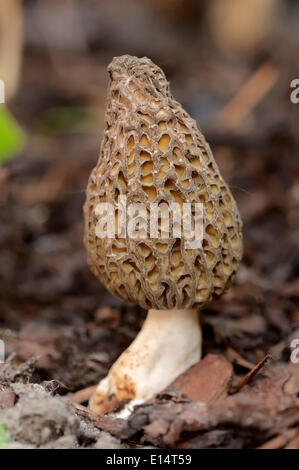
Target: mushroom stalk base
[167, 345]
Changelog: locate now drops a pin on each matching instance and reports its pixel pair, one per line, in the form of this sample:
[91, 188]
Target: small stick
[83, 395]
[280, 441]
[86, 413]
[103, 422]
[248, 377]
[293, 444]
[241, 361]
[11, 44]
[248, 97]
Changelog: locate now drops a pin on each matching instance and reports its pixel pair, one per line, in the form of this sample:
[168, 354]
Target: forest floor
[62, 330]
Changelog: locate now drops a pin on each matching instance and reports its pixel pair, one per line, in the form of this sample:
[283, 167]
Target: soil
[62, 330]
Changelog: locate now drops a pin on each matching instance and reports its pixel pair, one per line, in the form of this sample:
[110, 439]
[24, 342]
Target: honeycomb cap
[152, 152]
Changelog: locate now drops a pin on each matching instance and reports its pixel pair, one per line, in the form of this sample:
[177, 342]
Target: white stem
[167, 345]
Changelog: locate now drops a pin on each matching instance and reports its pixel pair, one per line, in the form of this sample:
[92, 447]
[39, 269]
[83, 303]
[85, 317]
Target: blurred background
[230, 63]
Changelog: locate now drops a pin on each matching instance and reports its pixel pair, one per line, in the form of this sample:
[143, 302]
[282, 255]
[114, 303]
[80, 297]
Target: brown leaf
[206, 381]
[258, 412]
[7, 398]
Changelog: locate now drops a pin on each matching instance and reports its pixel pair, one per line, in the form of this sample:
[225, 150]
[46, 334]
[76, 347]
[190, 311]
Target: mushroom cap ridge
[152, 152]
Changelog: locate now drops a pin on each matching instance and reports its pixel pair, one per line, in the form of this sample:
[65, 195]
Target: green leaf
[11, 137]
[4, 437]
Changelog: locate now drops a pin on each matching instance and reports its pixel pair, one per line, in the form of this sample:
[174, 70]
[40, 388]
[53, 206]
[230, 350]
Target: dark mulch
[53, 309]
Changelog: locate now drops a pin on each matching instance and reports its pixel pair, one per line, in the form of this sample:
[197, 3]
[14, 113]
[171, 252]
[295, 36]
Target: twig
[248, 377]
[86, 413]
[83, 395]
[238, 359]
[248, 97]
[293, 444]
[11, 43]
[280, 441]
[106, 423]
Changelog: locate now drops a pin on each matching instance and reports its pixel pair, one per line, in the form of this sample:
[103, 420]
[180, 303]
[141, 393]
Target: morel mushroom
[152, 153]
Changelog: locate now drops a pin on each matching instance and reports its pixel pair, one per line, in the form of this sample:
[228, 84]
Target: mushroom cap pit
[153, 152]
